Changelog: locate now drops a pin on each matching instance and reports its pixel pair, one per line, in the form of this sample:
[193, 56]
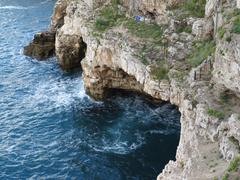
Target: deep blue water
[49, 127]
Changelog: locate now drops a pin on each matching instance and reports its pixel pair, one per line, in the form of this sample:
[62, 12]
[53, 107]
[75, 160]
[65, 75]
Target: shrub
[102, 24]
[234, 165]
[224, 97]
[201, 51]
[236, 12]
[187, 29]
[195, 8]
[160, 72]
[221, 32]
[108, 17]
[143, 30]
[236, 25]
[225, 177]
[215, 113]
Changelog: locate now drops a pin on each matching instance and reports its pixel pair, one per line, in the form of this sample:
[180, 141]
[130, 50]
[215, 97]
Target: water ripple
[49, 127]
[13, 7]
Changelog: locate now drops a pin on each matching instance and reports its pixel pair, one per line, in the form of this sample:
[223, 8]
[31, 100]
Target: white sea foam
[57, 93]
[44, 2]
[117, 146]
[13, 7]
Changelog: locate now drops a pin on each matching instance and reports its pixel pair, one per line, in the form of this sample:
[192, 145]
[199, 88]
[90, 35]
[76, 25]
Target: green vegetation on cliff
[160, 72]
[236, 25]
[234, 165]
[191, 8]
[109, 17]
[216, 113]
[143, 30]
[221, 32]
[201, 51]
[232, 171]
[195, 8]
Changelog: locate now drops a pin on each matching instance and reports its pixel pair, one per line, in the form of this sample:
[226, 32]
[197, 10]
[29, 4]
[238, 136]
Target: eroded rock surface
[70, 50]
[206, 92]
[42, 46]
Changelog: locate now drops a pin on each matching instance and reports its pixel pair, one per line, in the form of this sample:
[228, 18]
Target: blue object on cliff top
[139, 18]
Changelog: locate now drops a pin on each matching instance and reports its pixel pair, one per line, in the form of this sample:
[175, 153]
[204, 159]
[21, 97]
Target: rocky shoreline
[194, 65]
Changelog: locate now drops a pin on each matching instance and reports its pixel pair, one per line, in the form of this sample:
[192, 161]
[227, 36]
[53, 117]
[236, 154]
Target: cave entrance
[136, 133]
[82, 49]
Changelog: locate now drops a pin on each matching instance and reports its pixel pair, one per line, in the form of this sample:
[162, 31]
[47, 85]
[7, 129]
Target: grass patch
[194, 8]
[234, 165]
[142, 55]
[235, 17]
[179, 75]
[149, 52]
[224, 97]
[160, 72]
[143, 30]
[109, 17]
[187, 29]
[236, 25]
[215, 113]
[221, 32]
[225, 177]
[236, 12]
[201, 51]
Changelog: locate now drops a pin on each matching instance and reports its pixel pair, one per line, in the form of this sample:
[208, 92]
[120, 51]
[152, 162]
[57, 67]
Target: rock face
[58, 15]
[154, 9]
[42, 47]
[227, 64]
[117, 59]
[203, 28]
[70, 51]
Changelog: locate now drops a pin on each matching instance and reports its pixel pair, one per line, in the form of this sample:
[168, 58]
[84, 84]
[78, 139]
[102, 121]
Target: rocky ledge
[42, 46]
[182, 51]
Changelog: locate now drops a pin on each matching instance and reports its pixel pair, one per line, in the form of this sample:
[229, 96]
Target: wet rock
[42, 46]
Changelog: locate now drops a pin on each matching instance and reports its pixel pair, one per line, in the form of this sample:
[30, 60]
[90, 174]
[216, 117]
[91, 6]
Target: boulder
[203, 28]
[42, 46]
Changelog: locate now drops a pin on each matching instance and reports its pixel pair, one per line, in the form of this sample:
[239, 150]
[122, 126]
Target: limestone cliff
[183, 52]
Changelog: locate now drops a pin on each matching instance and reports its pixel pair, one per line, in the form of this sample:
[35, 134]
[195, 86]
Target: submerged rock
[42, 46]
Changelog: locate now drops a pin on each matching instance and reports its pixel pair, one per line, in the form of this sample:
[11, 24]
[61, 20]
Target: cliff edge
[186, 52]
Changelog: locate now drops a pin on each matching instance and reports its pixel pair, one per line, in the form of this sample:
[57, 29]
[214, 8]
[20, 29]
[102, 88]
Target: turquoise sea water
[49, 127]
